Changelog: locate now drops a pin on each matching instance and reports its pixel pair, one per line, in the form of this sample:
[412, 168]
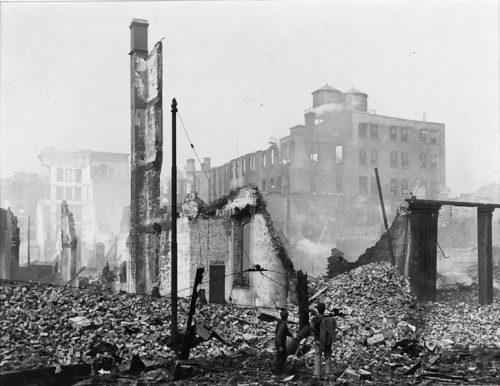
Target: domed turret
[356, 100]
[326, 94]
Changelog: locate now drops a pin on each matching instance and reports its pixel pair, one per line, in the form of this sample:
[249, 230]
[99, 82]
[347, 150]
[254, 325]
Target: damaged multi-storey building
[95, 185]
[319, 180]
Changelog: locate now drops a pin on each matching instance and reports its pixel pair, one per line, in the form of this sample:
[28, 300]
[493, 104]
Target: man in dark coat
[280, 342]
[324, 332]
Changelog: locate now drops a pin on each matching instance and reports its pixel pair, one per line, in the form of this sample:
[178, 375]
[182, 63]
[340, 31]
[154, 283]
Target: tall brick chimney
[309, 118]
[206, 163]
[139, 35]
[190, 167]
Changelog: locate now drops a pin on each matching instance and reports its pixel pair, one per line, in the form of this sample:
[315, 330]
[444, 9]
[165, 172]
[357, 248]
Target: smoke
[329, 108]
[313, 249]
[313, 256]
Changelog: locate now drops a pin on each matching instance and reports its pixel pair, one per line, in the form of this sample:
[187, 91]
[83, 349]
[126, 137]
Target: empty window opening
[394, 159]
[423, 160]
[339, 154]
[362, 156]
[363, 185]
[404, 160]
[362, 130]
[394, 186]
[404, 134]
[393, 133]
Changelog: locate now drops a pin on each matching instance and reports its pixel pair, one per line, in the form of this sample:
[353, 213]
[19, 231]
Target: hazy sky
[244, 71]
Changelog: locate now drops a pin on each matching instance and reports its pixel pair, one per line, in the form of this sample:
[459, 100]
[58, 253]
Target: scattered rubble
[385, 336]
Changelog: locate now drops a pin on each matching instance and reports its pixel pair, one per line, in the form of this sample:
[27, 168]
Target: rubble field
[384, 335]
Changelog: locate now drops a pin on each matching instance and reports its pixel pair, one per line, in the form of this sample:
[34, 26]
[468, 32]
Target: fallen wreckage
[385, 336]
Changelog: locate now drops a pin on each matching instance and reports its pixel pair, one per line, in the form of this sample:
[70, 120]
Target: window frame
[393, 130]
[394, 159]
[363, 157]
[362, 128]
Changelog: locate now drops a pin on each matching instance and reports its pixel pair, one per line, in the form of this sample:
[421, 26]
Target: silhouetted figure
[324, 332]
[280, 342]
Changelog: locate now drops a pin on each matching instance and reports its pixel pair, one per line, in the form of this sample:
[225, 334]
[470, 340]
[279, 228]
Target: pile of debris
[45, 325]
[384, 334]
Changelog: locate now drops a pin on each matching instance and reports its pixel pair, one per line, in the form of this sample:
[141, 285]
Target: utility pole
[29, 257]
[173, 247]
[391, 251]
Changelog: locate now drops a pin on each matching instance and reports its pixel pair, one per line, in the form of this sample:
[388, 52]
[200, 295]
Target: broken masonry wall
[269, 288]
[211, 244]
[200, 243]
[146, 160]
[400, 234]
[69, 243]
[14, 248]
[9, 245]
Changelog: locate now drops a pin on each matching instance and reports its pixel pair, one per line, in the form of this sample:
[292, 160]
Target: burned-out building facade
[319, 180]
[95, 186]
[21, 194]
[234, 240]
[9, 245]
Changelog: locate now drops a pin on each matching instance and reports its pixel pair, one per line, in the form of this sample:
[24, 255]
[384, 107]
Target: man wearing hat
[324, 331]
[280, 341]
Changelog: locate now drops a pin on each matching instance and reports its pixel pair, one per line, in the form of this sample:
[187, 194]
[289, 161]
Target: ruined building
[96, 187]
[229, 237]
[9, 245]
[21, 194]
[319, 180]
[70, 252]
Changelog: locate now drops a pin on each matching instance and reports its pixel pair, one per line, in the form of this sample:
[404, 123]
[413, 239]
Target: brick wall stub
[69, 244]
[400, 233]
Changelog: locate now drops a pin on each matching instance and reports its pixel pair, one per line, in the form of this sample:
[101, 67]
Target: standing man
[324, 332]
[280, 342]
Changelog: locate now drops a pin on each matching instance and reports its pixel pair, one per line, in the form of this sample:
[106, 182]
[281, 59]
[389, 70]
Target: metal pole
[29, 257]
[393, 259]
[173, 281]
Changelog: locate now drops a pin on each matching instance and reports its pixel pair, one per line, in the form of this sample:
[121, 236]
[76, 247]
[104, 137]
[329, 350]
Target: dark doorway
[217, 288]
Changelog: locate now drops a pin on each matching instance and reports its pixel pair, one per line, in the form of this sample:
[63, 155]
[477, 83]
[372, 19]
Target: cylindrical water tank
[326, 94]
[356, 100]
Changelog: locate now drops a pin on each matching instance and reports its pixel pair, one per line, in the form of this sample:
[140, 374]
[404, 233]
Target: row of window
[241, 166]
[67, 175]
[397, 160]
[69, 194]
[363, 186]
[339, 153]
[315, 183]
[396, 187]
[397, 133]
[273, 184]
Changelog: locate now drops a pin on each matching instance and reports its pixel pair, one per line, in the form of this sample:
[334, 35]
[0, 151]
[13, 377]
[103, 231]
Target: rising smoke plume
[329, 108]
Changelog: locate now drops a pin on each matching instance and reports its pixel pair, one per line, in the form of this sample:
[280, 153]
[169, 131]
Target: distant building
[319, 180]
[96, 186]
[21, 194]
[190, 180]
